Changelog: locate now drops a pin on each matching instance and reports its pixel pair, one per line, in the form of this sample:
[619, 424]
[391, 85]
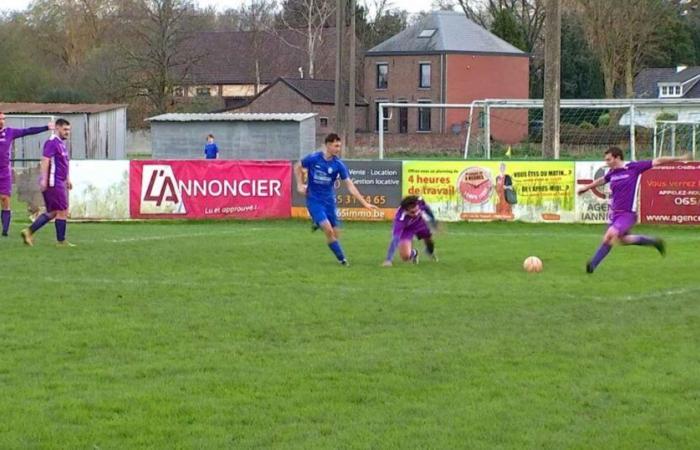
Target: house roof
[454, 33]
[228, 117]
[57, 108]
[229, 57]
[315, 91]
[646, 82]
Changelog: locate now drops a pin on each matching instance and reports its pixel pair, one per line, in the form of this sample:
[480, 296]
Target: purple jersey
[405, 224]
[7, 135]
[55, 150]
[624, 183]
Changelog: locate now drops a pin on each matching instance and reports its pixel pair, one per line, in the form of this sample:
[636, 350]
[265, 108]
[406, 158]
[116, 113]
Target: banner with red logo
[210, 189]
[671, 195]
[537, 191]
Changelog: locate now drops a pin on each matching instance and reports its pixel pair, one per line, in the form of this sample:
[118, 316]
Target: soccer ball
[532, 264]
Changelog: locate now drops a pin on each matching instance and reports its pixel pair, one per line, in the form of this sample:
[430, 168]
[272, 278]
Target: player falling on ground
[7, 135]
[410, 221]
[55, 183]
[323, 169]
[623, 178]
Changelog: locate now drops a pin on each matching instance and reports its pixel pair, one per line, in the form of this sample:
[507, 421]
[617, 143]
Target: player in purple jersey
[624, 182]
[7, 135]
[55, 184]
[410, 221]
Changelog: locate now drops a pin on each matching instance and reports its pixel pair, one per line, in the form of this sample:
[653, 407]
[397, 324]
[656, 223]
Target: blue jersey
[322, 176]
[211, 151]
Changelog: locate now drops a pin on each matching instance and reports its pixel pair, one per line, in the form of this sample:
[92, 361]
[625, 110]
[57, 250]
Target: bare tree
[156, 56]
[257, 18]
[308, 20]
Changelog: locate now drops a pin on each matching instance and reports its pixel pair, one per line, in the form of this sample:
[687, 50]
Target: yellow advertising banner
[537, 191]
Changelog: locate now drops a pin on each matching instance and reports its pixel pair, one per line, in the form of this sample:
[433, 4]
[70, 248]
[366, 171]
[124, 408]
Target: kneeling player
[410, 221]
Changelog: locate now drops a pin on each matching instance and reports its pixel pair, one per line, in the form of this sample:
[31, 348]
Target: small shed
[238, 136]
[97, 131]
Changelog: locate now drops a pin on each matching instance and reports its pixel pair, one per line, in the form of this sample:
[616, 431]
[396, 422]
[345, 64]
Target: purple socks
[6, 215]
[40, 222]
[602, 252]
[60, 230]
[642, 240]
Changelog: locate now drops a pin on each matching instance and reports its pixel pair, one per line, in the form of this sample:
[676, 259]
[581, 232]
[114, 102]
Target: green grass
[249, 335]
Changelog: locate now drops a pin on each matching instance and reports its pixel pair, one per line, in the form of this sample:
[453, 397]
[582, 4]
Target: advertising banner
[378, 181]
[591, 206]
[210, 189]
[671, 195]
[492, 190]
[100, 190]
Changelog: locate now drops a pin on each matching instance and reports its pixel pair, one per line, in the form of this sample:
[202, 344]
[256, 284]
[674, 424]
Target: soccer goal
[513, 128]
[675, 137]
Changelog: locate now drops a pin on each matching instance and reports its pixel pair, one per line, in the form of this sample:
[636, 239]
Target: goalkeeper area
[249, 335]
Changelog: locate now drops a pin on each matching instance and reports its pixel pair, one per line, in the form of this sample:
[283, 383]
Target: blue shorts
[320, 211]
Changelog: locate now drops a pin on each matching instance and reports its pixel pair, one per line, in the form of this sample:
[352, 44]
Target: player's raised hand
[51, 125]
[301, 189]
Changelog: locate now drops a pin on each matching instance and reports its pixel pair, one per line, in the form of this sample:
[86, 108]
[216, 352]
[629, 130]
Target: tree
[307, 19]
[155, 51]
[506, 27]
[257, 18]
[580, 69]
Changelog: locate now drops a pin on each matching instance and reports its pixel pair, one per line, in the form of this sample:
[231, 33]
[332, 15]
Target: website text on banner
[210, 189]
[380, 184]
[671, 195]
[100, 190]
[592, 206]
[509, 190]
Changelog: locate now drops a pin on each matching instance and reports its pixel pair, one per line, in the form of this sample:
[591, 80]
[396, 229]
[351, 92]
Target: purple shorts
[623, 222]
[420, 230]
[6, 182]
[56, 198]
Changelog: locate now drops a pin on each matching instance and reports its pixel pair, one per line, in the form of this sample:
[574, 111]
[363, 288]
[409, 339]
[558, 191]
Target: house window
[203, 92]
[678, 90]
[386, 116]
[424, 75]
[179, 92]
[382, 76]
[423, 117]
[324, 122]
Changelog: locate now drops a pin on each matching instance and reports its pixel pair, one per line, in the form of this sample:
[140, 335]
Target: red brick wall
[403, 86]
[477, 77]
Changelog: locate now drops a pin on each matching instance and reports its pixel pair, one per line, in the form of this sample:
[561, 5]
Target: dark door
[403, 120]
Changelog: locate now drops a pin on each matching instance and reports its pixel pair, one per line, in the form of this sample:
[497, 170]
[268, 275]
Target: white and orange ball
[532, 264]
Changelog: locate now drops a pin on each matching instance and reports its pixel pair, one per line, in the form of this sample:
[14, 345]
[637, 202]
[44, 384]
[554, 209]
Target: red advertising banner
[210, 189]
[671, 195]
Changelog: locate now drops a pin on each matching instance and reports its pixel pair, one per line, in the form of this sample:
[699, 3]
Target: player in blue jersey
[624, 183]
[323, 169]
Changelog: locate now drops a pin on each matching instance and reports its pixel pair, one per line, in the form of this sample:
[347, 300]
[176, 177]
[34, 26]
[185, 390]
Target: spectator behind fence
[211, 151]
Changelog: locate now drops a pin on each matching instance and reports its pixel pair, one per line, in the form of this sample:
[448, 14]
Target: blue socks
[60, 230]
[39, 222]
[337, 250]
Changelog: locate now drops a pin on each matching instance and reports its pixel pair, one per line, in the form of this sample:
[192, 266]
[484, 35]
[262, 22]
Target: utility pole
[353, 78]
[340, 111]
[552, 79]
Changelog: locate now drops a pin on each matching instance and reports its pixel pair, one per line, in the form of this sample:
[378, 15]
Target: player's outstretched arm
[355, 193]
[599, 182]
[30, 131]
[660, 161]
[393, 245]
[299, 175]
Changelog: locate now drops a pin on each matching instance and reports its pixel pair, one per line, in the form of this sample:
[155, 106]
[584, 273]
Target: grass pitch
[249, 335]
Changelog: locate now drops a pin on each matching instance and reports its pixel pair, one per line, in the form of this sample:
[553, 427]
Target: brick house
[295, 95]
[224, 62]
[445, 58]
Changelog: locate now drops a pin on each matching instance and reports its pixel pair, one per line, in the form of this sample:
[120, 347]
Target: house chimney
[680, 68]
[301, 72]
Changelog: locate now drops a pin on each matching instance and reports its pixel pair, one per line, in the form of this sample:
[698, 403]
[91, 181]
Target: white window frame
[420, 74]
[430, 117]
[376, 76]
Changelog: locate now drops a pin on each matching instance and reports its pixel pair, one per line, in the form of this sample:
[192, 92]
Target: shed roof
[57, 108]
[231, 117]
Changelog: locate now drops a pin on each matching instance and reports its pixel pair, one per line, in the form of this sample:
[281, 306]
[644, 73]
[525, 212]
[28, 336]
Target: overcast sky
[410, 5]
